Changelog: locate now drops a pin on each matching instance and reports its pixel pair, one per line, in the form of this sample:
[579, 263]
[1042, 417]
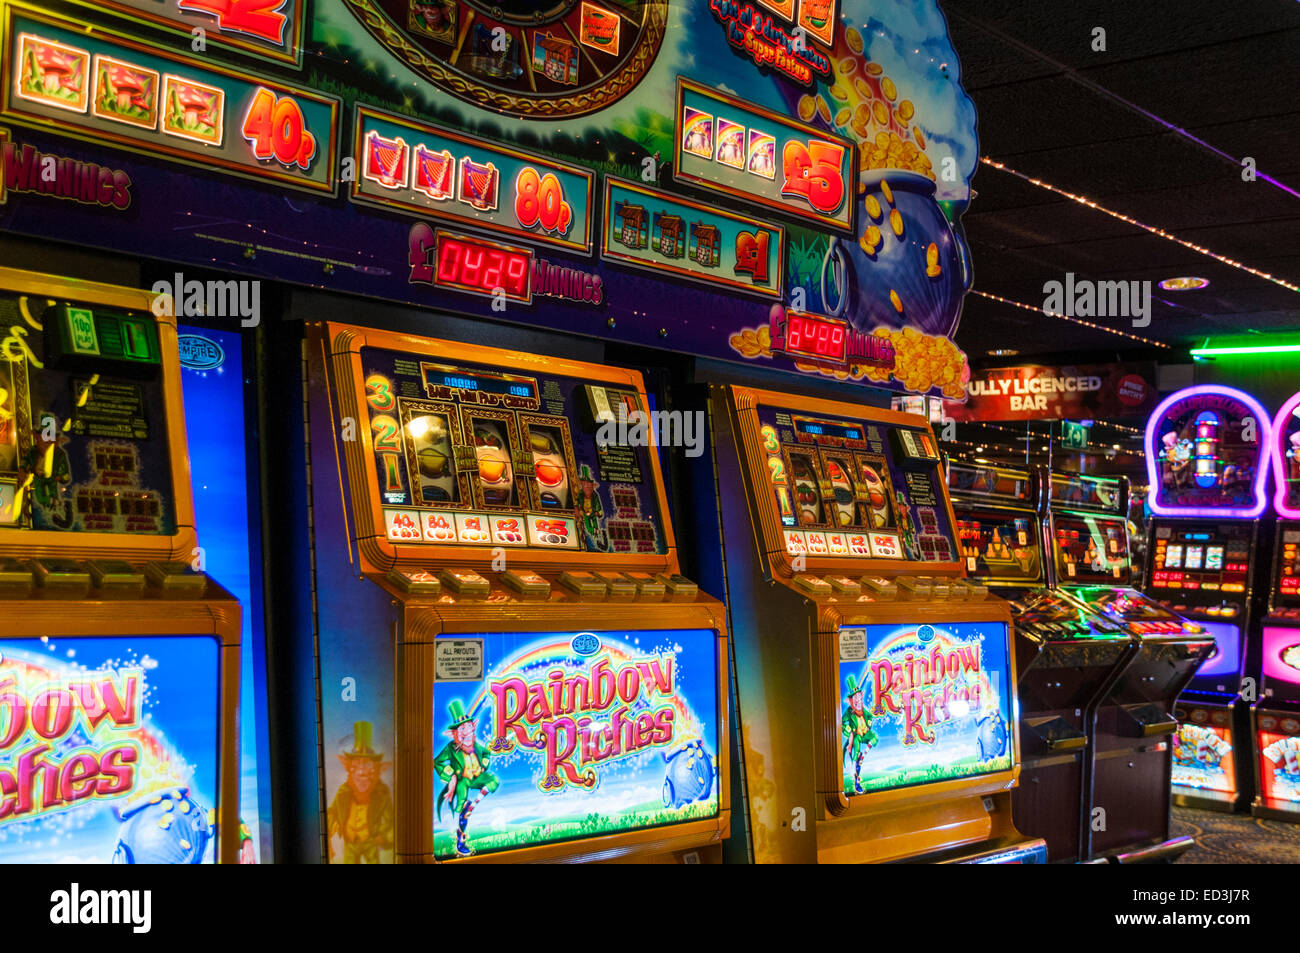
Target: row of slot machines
[1183, 680]
[497, 657]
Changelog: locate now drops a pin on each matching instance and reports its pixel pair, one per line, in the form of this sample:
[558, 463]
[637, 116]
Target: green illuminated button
[16, 577]
[65, 575]
[81, 331]
[175, 577]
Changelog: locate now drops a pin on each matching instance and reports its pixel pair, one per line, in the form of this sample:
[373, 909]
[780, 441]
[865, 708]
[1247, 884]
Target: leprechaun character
[856, 728]
[362, 810]
[586, 504]
[462, 763]
[47, 463]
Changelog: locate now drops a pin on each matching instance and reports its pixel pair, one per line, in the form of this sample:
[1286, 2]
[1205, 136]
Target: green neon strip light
[1259, 349]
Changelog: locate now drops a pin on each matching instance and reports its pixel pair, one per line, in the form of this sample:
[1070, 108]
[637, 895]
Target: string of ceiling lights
[1129, 220]
[1065, 317]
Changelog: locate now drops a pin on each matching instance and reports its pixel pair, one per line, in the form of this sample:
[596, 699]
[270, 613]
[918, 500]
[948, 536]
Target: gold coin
[854, 39]
[933, 271]
[862, 114]
[860, 128]
[881, 112]
[873, 207]
[875, 69]
[866, 246]
[920, 138]
[863, 87]
[931, 253]
[807, 107]
[909, 151]
[889, 89]
[823, 110]
[896, 222]
[862, 188]
[872, 236]
[895, 148]
[839, 92]
[842, 117]
[906, 110]
[846, 65]
[765, 336]
[886, 191]
[882, 140]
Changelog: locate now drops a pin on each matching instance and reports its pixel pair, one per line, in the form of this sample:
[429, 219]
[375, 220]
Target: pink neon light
[1153, 456]
[1279, 458]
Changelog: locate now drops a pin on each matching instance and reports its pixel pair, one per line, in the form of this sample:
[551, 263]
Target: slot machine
[1206, 451]
[119, 660]
[875, 686]
[1067, 657]
[512, 667]
[1128, 764]
[1275, 717]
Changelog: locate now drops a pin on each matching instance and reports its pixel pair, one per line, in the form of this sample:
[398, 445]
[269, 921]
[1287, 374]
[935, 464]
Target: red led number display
[275, 128]
[539, 201]
[812, 172]
[814, 338]
[479, 266]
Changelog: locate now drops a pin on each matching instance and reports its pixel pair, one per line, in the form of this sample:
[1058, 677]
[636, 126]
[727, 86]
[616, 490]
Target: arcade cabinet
[1067, 658]
[119, 663]
[511, 665]
[875, 687]
[1275, 716]
[1207, 462]
[1127, 767]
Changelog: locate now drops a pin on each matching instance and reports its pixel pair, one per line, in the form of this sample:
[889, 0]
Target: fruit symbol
[688, 775]
[549, 469]
[496, 476]
[844, 496]
[877, 496]
[806, 497]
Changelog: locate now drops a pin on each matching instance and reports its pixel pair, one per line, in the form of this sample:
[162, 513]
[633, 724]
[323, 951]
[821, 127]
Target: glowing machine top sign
[1206, 450]
[1286, 459]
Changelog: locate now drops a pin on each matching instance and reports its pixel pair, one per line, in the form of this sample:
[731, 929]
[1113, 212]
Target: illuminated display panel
[1090, 548]
[107, 470]
[1084, 491]
[908, 718]
[483, 267]
[652, 760]
[1206, 452]
[991, 481]
[470, 454]
[1286, 568]
[1200, 562]
[815, 337]
[1279, 762]
[840, 490]
[132, 768]
[1203, 757]
[1000, 545]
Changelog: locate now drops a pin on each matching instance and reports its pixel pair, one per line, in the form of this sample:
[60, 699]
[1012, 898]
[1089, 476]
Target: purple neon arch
[1279, 458]
[1153, 456]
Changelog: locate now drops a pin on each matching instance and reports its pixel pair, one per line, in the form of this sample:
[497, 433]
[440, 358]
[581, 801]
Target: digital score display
[483, 267]
[460, 380]
[816, 338]
[821, 429]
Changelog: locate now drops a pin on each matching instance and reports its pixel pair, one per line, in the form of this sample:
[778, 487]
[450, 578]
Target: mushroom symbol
[54, 68]
[193, 102]
[127, 84]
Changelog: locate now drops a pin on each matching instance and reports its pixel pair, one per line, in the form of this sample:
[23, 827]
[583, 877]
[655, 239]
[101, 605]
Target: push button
[415, 581]
[465, 583]
[913, 587]
[619, 587]
[116, 577]
[527, 585]
[813, 585]
[844, 586]
[883, 589]
[16, 578]
[176, 578]
[584, 585]
[678, 587]
[648, 588]
[67, 577]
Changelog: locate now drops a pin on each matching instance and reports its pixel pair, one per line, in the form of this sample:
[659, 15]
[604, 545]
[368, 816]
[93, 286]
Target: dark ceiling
[1050, 107]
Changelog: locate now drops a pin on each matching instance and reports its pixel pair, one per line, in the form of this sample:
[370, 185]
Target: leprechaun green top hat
[458, 714]
[362, 732]
[854, 687]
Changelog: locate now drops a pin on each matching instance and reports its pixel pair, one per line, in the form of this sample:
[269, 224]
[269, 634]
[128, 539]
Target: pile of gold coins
[865, 105]
[922, 362]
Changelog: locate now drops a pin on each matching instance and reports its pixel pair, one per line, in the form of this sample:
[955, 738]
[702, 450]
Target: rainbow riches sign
[543, 737]
[922, 703]
[108, 749]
